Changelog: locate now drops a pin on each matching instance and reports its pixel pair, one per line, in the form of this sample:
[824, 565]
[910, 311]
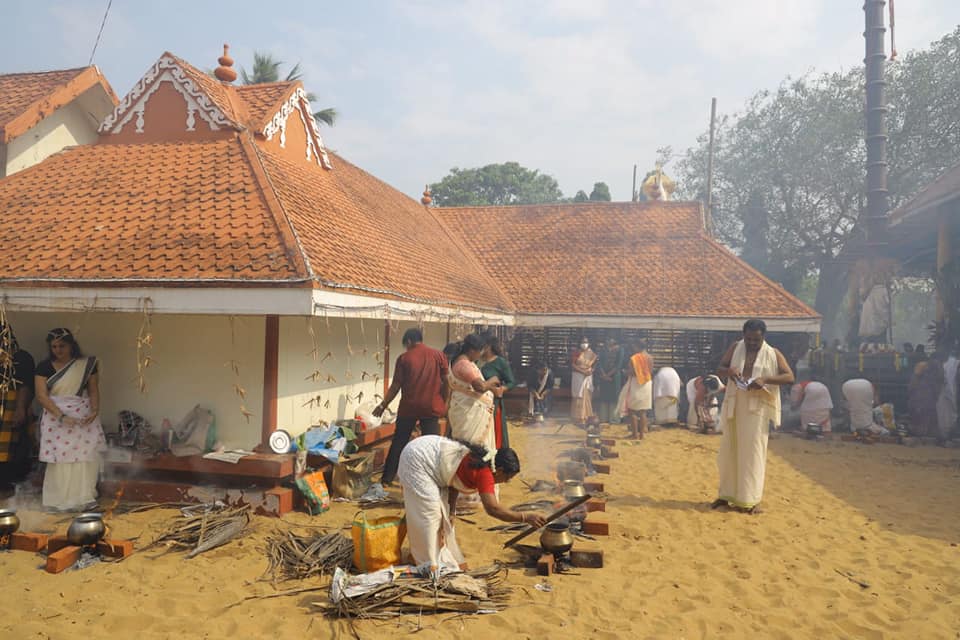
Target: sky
[578, 89]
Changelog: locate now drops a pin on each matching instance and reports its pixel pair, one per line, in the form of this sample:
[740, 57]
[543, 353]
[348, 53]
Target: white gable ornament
[278, 124]
[165, 70]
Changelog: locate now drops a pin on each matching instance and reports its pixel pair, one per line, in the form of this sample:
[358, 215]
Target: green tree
[789, 169]
[266, 68]
[581, 196]
[600, 193]
[495, 184]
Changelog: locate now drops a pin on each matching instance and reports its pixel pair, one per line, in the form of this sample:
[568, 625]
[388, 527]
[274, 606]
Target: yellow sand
[889, 515]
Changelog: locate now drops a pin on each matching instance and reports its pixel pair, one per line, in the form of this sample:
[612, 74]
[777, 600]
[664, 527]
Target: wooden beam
[271, 361]
[386, 357]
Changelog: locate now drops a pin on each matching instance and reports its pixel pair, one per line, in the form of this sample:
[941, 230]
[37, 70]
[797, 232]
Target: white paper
[233, 456]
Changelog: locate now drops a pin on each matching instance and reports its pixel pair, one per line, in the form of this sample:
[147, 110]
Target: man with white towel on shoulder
[754, 371]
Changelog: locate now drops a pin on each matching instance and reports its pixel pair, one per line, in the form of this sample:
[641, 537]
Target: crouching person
[433, 471]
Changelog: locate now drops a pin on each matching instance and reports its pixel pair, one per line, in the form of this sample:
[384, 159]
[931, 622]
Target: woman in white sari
[71, 436]
[470, 409]
[433, 471]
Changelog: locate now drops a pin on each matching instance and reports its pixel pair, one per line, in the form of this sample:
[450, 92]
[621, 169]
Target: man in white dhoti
[947, 402]
[704, 409]
[636, 397]
[861, 396]
[814, 402]
[666, 396]
[754, 371]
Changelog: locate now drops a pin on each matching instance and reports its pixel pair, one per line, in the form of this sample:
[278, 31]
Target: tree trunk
[831, 294]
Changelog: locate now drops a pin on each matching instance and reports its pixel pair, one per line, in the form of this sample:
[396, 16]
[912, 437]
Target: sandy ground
[887, 515]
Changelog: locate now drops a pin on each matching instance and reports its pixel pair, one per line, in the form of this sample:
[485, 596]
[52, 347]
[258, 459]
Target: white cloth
[666, 384]
[692, 402]
[666, 410]
[635, 397]
[875, 315]
[746, 417]
[580, 384]
[77, 443]
[470, 414]
[858, 393]
[68, 486]
[666, 395]
[427, 468]
[815, 404]
[947, 402]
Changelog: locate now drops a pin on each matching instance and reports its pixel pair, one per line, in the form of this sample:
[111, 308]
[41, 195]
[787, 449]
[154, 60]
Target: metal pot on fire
[573, 489]
[86, 529]
[556, 538]
[593, 440]
[9, 522]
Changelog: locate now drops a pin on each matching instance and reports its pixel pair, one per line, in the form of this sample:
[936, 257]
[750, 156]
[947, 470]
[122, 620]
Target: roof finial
[426, 199]
[224, 73]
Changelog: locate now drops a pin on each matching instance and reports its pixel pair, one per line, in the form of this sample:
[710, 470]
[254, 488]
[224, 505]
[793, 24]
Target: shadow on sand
[903, 489]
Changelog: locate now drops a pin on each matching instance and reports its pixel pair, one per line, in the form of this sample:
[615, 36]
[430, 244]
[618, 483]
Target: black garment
[19, 448]
[23, 369]
[428, 427]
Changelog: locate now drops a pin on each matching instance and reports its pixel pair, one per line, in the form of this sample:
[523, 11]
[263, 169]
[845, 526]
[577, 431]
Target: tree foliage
[600, 193]
[266, 69]
[789, 169]
[495, 184]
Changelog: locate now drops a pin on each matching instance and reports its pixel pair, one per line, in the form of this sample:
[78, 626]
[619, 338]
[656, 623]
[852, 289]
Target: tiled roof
[631, 259]
[144, 212]
[261, 101]
[363, 235]
[943, 189]
[25, 98]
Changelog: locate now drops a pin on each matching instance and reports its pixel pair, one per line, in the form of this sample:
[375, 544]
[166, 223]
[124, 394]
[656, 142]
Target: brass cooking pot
[86, 529]
[573, 489]
[9, 522]
[556, 538]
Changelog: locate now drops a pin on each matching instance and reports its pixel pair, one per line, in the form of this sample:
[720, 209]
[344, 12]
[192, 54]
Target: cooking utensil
[593, 441]
[573, 489]
[9, 522]
[553, 516]
[556, 538]
[86, 529]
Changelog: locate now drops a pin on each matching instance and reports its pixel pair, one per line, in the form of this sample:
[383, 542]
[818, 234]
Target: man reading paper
[754, 371]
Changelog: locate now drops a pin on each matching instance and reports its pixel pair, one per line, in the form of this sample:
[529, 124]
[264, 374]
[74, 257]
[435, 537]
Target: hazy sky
[580, 89]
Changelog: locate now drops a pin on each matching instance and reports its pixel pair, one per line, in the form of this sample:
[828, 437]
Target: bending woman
[433, 471]
[71, 436]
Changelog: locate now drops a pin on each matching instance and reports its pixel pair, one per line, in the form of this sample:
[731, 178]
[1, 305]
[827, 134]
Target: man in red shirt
[421, 375]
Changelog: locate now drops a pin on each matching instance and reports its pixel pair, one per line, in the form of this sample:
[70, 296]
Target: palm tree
[267, 69]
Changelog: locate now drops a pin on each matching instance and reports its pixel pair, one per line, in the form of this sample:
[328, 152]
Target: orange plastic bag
[315, 494]
[377, 542]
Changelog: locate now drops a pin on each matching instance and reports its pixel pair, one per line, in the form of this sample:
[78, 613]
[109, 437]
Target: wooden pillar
[386, 357]
[271, 360]
[943, 258]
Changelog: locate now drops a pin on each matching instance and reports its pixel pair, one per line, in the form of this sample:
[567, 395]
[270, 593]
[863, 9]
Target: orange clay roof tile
[20, 90]
[363, 235]
[123, 228]
[636, 259]
[26, 98]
